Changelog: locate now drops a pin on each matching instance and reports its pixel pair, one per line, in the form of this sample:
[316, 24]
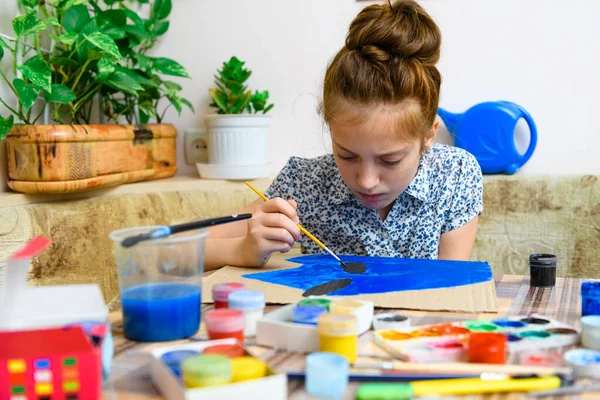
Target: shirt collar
[419, 187]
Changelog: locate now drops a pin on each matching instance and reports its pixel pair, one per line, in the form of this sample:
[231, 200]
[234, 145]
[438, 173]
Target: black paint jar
[542, 269]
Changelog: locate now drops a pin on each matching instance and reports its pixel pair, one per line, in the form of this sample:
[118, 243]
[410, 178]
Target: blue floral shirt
[446, 193]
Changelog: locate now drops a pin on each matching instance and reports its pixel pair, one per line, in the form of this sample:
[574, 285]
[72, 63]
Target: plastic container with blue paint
[326, 375]
[173, 359]
[590, 298]
[307, 314]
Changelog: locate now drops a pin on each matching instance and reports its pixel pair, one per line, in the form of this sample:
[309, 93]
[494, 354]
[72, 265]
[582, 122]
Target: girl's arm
[458, 243]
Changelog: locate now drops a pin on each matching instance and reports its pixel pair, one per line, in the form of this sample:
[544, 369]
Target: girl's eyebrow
[393, 153]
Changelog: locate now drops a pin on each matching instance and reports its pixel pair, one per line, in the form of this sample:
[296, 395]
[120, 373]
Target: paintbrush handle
[307, 233]
[188, 226]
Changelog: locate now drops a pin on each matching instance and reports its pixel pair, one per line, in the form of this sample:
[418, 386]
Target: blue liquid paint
[383, 274]
[161, 312]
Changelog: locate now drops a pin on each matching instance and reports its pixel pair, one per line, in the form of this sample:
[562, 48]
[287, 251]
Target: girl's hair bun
[395, 30]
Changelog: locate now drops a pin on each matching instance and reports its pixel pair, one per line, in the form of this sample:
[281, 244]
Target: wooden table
[130, 379]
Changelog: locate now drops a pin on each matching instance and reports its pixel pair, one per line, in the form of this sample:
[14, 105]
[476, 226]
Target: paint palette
[449, 342]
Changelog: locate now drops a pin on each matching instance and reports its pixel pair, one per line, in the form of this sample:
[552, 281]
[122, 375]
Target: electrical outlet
[195, 147]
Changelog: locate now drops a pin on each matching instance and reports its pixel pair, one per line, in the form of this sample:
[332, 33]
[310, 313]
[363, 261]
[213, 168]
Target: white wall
[541, 54]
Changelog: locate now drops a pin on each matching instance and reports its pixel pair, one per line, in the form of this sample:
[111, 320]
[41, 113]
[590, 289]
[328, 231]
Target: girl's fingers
[278, 205]
[281, 221]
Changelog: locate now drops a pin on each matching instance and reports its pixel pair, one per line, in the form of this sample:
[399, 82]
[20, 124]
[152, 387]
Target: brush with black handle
[165, 231]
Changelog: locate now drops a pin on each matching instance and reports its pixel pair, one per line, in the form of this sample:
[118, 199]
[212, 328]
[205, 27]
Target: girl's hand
[273, 227]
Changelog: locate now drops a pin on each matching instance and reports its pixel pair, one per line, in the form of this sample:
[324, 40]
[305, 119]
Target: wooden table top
[130, 376]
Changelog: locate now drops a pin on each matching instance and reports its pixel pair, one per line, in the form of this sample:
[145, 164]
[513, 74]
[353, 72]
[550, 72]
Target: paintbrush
[164, 231]
[351, 267]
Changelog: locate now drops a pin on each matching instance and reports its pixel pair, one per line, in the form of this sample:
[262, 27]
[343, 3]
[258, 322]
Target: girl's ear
[430, 136]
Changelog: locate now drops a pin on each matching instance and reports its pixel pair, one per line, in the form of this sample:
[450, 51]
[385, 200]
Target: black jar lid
[542, 260]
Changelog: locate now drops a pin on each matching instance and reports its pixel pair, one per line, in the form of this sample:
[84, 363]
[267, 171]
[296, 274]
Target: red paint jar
[225, 323]
[220, 293]
[487, 348]
[227, 350]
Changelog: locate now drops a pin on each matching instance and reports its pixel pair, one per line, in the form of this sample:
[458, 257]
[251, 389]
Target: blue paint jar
[590, 298]
[173, 359]
[307, 314]
[326, 375]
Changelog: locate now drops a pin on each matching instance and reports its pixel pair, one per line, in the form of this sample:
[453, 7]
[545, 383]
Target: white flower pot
[238, 146]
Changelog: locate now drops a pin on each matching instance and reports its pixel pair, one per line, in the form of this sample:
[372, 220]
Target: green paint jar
[315, 303]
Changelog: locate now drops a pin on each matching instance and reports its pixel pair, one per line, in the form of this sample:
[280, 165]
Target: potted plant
[238, 133]
[67, 57]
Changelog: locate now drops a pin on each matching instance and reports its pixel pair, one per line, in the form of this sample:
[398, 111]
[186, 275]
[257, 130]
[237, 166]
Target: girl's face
[376, 159]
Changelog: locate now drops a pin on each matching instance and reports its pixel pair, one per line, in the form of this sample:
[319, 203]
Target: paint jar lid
[307, 314]
[542, 260]
[315, 302]
[174, 358]
[344, 306]
[220, 291]
[332, 324]
[590, 289]
[247, 300]
[206, 369]
[224, 320]
[228, 350]
[590, 322]
[246, 368]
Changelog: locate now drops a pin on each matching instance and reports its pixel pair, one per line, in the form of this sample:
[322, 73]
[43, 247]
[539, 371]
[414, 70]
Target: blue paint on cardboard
[383, 274]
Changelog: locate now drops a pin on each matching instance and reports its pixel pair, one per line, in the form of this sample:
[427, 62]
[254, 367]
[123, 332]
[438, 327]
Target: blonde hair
[389, 59]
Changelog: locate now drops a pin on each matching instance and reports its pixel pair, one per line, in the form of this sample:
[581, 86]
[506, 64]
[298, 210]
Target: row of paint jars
[215, 365]
[236, 312]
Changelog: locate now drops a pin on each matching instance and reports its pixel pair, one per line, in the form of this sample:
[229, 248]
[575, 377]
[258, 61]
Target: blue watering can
[486, 130]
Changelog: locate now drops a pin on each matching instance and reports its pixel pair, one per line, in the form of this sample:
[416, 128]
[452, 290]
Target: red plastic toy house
[49, 364]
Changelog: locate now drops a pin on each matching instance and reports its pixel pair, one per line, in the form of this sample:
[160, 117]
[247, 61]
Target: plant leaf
[160, 28]
[219, 100]
[60, 94]
[75, 18]
[28, 94]
[105, 69]
[169, 67]
[172, 87]
[5, 125]
[68, 38]
[5, 45]
[266, 110]
[1, 52]
[37, 71]
[144, 61]
[52, 21]
[161, 9]
[176, 101]
[28, 24]
[106, 45]
[116, 17]
[114, 32]
[123, 82]
[137, 33]
[148, 109]
[30, 3]
[187, 103]
[134, 17]
[62, 61]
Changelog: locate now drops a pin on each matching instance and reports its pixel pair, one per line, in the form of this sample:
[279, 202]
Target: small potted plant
[238, 132]
[68, 57]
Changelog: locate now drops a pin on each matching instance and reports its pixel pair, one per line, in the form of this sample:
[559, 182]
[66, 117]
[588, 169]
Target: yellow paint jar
[246, 368]
[338, 333]
[344, 306]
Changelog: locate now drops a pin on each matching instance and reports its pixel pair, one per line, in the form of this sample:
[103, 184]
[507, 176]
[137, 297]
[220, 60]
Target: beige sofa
[523, 214]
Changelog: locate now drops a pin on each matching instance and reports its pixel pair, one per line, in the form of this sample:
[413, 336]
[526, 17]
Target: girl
[387, 189]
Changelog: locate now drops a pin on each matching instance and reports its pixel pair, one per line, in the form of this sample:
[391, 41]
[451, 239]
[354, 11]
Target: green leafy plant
[232, 96]
[73, 50]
